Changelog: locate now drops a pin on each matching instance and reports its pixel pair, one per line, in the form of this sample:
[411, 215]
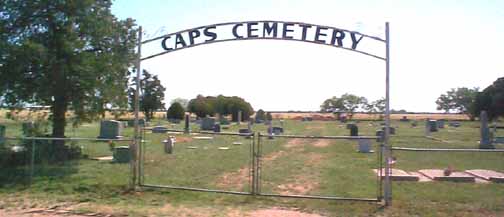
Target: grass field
[289, 166]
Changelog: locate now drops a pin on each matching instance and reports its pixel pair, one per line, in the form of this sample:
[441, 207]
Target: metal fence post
[388, 184]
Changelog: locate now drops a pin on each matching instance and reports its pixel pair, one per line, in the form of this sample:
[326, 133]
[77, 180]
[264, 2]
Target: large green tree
[71, 55]
[458, 100]
[224, 105]
[151, 94]
[491, 99]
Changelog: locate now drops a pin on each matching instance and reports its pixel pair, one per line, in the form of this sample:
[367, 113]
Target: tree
[260, 115]
[210, 105]
[348, 103]
[66, 54]
[377, 106]
[491, 99]
[151, 94]
[458, 100]
[183, 102]
[176, 111]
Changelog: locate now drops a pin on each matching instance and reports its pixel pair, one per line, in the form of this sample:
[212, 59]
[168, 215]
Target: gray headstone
[159, 129]
[239, 117]
[168, 145]
[365, 146]
[427, 128]
[187, 120]
[454, 124]
[110, 130]
[207, 123]
[499, 140]
[485, 141]
[441, 123]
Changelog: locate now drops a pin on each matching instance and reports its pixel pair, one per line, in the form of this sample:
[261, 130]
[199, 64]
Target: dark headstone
[216, 128]
[381, 136]
[110, 130]
[244, 131]
[414, 123]
[159, 129]
[2, 136]
[207, 123]
[441, 123]
[122, 154]
[354, 130]
[277, 130]
[404, 119]
[433, 126]
[454, 124]
[349, 126]
[187, 128]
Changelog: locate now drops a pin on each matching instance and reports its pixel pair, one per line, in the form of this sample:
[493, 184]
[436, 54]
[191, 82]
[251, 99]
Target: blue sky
[435, 46]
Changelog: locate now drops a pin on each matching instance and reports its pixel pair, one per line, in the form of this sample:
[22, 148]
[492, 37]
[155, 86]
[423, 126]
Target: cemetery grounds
[289, 166]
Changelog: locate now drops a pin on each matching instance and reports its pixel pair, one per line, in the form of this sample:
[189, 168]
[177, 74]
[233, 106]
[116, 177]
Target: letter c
[163, 43]
[235, 33]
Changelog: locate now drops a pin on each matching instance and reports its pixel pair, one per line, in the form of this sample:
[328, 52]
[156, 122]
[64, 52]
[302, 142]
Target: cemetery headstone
[110, 130]
[239, 118]
[441, 123]
[281, 123]
[122, 154]
[354, 130]
[433, 126]
[277, 130]
[270, 132]
[207, 123]
[381, 136]
[168, 145]
[427, 128]
[365, 146]
[187, 129]
[217, 128]
[454, 124]
[2, 136]
[159, 129]
[485, 141]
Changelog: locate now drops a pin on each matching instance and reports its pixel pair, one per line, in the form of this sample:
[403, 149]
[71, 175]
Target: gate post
[388, 184]
[134, 148]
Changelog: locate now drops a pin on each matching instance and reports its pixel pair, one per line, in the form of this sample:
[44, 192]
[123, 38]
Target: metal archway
[271, 30]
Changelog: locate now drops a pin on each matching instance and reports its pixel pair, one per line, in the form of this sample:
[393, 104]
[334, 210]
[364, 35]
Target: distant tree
[347, 103]
[151, 94]
[210, 105]
[491, 99]
[260, 115]
[176, 111]
[183, 102]
[377, 106]
[458, 100]
[200, 106]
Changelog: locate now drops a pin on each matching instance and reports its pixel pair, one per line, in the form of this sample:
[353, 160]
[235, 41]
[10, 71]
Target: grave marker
[365, 146]
[187, 129]
[441, 123]
[159, 129]
[485, 141]
[354, 130]
[207, 123]
[110, 130]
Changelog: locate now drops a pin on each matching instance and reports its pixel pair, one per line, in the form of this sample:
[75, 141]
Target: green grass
[332, 170]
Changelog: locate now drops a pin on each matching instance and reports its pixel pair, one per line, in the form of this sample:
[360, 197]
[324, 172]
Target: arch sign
[372, 46]
[270, 30]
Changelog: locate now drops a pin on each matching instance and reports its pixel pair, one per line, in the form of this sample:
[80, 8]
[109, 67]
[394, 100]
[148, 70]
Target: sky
[434, 46]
